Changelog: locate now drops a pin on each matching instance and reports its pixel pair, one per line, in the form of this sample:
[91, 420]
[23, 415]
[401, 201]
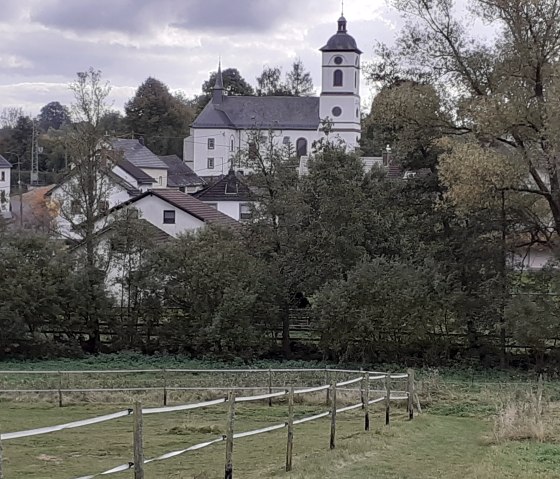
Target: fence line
[139, 411]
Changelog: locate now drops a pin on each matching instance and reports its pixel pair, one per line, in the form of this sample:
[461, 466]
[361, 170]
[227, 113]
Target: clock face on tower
[337, 111]
[338, 60]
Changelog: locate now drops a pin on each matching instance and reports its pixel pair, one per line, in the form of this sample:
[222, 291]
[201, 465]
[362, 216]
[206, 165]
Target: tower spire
[342, 14]
[218, 90]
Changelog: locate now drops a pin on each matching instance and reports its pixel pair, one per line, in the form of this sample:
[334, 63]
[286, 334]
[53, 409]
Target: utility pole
[34, 177]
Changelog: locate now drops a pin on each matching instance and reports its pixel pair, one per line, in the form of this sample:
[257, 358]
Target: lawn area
[432, 446]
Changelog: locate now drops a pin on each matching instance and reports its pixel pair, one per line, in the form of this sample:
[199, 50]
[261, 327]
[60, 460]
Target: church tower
[340, 93]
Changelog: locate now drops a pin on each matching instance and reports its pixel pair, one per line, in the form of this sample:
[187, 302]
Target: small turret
[218, 90]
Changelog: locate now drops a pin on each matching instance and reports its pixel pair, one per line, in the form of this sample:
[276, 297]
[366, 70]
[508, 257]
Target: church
[222, 129]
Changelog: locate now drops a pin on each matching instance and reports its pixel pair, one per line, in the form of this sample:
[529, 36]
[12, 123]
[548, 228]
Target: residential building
[229, 195]
[5, 179]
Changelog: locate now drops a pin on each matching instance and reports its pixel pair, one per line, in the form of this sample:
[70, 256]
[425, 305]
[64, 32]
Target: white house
[223, 128]
[230, 196]
[175, 212]
[5, 178]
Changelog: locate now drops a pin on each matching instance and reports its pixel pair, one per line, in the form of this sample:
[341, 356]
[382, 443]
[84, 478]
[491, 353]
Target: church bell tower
[340, 93]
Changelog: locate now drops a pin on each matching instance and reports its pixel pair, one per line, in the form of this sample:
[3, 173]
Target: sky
[43, 43]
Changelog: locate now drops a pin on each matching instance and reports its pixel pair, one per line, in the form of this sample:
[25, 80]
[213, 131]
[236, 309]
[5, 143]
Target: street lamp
[19, 186]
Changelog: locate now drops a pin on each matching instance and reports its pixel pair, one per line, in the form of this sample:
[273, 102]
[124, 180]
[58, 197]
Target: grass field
[431, 446]
[453, 438]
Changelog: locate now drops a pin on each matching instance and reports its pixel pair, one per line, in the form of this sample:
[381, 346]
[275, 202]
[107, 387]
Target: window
[132, 214]
[244, 211]
[337, 111]
[356, 79]
[286, 140]
[210, 164]
[211, 143]
[3, 176]
[338, 60]
[357, 113]
[160, 180]
[231, 143]
[169, 217]
[337, 78]
[75, 207]
[301, 147]
[213, 205]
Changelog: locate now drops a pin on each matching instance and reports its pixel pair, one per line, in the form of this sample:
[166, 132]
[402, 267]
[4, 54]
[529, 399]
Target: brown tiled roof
[194, 207]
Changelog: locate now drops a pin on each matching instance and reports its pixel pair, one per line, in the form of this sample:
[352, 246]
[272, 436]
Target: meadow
[473, 425]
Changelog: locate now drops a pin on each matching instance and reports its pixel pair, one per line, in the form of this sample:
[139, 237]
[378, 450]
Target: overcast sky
[43, 43]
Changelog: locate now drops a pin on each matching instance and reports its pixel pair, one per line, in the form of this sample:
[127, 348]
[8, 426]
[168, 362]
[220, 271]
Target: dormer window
[337, 78]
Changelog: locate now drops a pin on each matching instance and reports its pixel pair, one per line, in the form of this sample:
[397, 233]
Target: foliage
[297, 81]
[53, 115]
[160, 118]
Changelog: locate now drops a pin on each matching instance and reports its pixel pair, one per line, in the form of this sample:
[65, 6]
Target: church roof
[262, 112]
[341, 41]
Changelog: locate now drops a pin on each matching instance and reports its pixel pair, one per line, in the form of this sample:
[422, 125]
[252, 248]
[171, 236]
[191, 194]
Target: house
[225, 125]
[5, 179]
[229, 195]
[135, 163]
[175, 212]
[181, 176]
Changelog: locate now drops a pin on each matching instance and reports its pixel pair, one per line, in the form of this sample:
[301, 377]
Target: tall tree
[53, 115]
[269, 82]
[504, 93]
[298, 81]
[159, 117]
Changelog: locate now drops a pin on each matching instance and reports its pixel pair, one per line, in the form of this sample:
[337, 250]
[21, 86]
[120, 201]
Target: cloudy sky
[43, 43]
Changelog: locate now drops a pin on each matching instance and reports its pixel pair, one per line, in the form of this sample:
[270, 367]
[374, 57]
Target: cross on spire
[342, 14]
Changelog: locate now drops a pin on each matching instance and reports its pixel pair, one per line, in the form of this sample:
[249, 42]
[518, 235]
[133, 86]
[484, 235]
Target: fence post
[333, 416]
[270, 386]
[165, 387]
[138, 441]
[328, 381]
[59, 389]
[229, 437]
[365, 400]
[290, 424]
[1, 458]
[410, 404]
[540, 389]
[387, 398]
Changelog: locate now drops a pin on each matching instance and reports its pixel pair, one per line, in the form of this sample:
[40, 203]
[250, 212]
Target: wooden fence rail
[138, 463]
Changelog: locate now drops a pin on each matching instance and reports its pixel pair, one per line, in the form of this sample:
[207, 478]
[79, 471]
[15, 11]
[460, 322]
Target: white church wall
[5, 179]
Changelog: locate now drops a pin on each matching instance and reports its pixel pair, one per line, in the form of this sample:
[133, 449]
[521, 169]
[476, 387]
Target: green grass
[431, 446]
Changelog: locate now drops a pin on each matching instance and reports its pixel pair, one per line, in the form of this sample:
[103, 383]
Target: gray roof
[228, 188]
[4, 163]
[179, 174]
[263, 112]
[341, 41]
[138, 154]
[135, 172]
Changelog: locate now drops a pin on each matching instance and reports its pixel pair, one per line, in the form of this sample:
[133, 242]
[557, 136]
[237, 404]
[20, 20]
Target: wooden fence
[362, 383]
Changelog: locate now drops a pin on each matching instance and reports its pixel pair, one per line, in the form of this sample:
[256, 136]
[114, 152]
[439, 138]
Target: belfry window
[337, 78]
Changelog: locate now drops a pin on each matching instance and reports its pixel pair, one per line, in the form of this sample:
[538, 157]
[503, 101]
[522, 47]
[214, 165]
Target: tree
[298, 81]
[53, 115]
[222, 291]
[84, 195]
[269, 83]
[10, 116]
[504, 94]
[160, 118]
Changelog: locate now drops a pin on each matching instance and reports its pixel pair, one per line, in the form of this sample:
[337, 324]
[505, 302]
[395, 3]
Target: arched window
[301, 147]
[337, 78]
[231, 143]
